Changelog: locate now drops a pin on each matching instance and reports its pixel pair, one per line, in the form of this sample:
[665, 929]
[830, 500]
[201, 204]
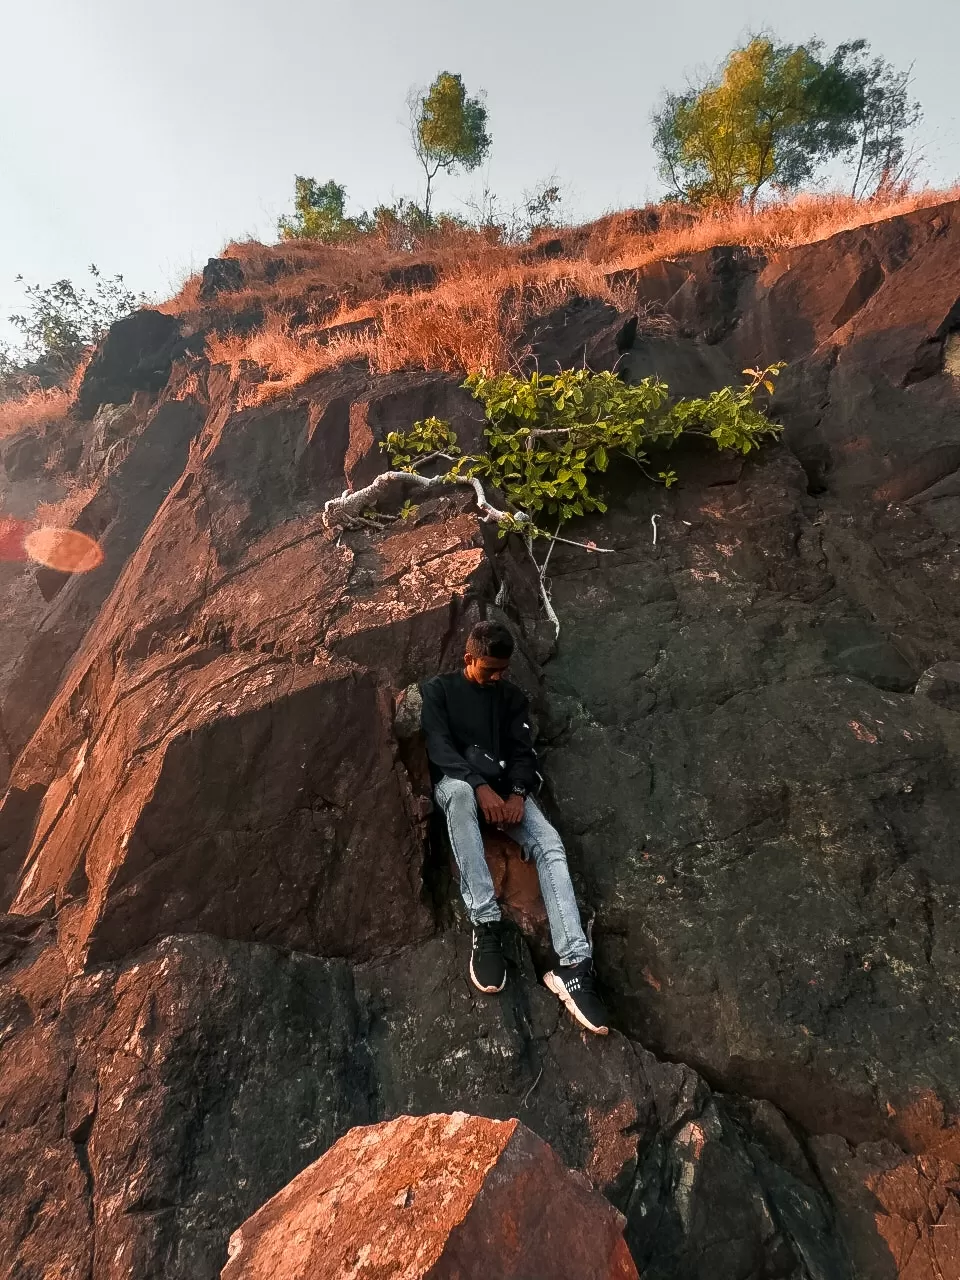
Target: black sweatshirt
[458, 714]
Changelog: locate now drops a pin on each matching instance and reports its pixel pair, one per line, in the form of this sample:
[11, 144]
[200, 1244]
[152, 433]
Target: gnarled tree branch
[351, 504]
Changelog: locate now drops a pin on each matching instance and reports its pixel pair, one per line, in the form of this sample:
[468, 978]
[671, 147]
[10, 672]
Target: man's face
[484, 670]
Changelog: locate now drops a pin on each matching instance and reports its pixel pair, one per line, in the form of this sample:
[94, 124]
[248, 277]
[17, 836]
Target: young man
[482, 762]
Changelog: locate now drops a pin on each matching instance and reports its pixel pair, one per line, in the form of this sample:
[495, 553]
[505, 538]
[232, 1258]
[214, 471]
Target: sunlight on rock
[65, 549]
[12, 535]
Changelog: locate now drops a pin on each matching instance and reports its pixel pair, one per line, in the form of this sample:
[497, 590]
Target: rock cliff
[230, 938]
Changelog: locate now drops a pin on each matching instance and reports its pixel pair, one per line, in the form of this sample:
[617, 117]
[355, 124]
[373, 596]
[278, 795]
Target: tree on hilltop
[448, 129]
[320, 213]
[774, 113]
[880, 156]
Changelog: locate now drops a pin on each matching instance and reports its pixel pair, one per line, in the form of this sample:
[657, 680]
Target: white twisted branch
[348, 509]
[351, 504]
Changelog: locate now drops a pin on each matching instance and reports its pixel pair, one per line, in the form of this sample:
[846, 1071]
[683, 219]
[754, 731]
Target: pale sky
[144, 136]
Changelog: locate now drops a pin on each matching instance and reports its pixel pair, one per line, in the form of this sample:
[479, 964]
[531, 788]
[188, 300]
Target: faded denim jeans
[539, 841]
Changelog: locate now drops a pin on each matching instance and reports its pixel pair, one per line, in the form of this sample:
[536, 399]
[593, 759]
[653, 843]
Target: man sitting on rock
[482, 761]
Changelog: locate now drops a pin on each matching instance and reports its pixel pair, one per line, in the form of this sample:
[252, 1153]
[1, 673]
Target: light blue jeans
[539, 840]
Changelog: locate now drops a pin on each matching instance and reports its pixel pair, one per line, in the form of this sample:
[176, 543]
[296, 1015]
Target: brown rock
[900, 1213]
[441, 1196]
[221, 275]
[252, 661]
[516, 883]
[148, 1109]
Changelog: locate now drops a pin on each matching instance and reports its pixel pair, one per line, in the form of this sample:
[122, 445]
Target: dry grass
[284, 357]
[618, 241]
[486, 293]
[62, 514]
[472, 319]
[35, 411]
[475, 317]
[307, 276]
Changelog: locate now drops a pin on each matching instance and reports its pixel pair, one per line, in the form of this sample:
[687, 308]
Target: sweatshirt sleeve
[521, 756]
[441, 751]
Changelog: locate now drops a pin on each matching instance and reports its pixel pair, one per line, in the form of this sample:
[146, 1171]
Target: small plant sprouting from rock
[549, 437]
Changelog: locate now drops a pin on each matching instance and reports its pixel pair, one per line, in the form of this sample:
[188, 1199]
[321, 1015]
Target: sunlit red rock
[12, 535]
[442, 1196]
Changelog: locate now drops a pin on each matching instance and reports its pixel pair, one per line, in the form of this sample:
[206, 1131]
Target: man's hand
[512, 810]
[491, 806]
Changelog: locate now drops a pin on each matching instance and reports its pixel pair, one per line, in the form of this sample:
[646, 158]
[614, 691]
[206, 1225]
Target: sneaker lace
[487, 941]
[584, 982]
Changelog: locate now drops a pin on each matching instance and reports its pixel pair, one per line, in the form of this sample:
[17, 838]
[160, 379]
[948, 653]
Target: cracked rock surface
[228, 942]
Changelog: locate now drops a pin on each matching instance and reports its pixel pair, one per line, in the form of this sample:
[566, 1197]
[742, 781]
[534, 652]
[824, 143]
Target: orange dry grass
[286, 358]
[33, 412]
[61, 515]
[473, 319]
[316, 277]
[475, 316]
[618, 242]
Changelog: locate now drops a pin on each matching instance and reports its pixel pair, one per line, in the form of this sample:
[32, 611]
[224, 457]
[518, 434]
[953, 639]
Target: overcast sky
[144, 136]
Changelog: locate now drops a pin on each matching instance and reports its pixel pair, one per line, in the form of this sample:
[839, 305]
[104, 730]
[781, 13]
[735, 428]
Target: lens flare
[12, 535]
[68, 550]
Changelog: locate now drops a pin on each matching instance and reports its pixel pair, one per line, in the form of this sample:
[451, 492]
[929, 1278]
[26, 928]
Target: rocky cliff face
[228, 941]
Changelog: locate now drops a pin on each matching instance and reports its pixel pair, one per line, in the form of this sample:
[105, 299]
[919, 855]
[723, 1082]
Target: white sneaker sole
[554, 984]
[487, 991]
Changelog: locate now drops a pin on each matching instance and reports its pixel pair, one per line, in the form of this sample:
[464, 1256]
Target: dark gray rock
[941, 684]
[707, 1193]
[221, 275]
[410, 278]
[24, 456]
[773, 879]
[136, 355]
[561, 338]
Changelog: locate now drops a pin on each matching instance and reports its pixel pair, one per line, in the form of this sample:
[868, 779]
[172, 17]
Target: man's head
[489, 649]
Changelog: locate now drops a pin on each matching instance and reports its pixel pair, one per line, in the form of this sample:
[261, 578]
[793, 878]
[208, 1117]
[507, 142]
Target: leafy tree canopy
[880, 156]
[449, 129]
[320, 213]
[775, 112]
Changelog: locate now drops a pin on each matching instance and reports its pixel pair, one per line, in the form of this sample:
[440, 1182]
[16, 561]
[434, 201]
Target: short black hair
[490, 640]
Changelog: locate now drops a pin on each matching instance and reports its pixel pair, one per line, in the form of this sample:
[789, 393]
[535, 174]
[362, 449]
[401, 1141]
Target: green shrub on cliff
[61, 319]
[549, 437]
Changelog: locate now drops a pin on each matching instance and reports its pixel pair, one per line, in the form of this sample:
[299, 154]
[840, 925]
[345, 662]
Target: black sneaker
[488, 969]
[576, 987]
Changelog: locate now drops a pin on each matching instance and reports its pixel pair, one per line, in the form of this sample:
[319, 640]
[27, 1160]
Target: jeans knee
[549, 855]
[456, 794]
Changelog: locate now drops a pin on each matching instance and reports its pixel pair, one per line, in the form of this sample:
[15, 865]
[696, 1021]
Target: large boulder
[147, 1110]
[712, 1188]
[242, 777]
[438, 1197]
[136, 355]
[774, 877]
